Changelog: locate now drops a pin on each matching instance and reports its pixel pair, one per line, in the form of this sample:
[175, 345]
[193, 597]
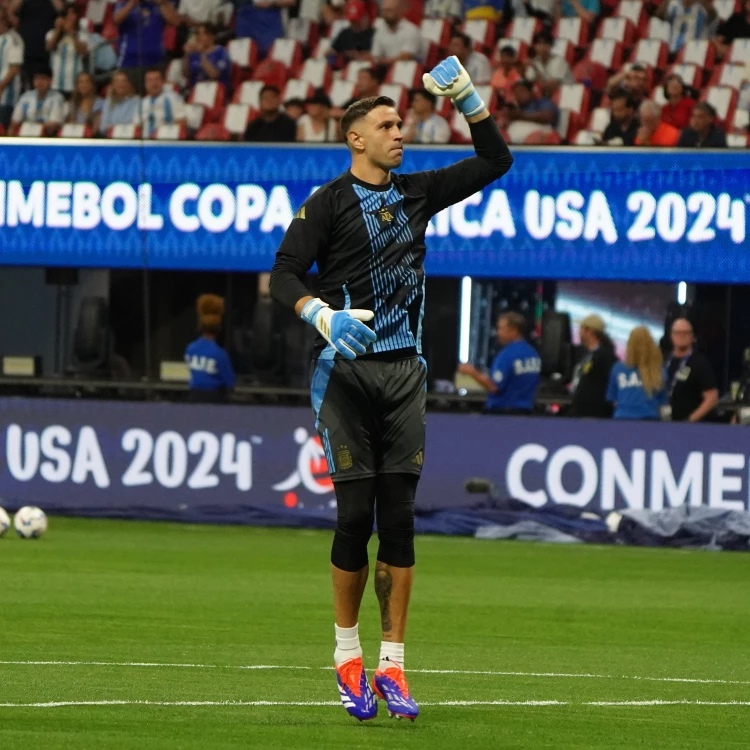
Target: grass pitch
[169, 614]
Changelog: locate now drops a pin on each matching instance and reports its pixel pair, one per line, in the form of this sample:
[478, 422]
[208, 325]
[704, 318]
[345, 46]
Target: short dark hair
[514, 320]
[270, 87]
[211, 28]
[375, 72]
[425, 94]
[154, 69]
[622, 94]
[295, 101]
[361, 108]
[508, 49]
[707, 108]
[543, 36]
[465, 38]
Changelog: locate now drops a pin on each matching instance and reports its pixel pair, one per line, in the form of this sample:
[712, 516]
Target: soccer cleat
[355, 691]
[390, 685]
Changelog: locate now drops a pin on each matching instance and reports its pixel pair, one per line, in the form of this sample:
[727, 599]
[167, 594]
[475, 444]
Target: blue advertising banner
[265, 465]
[559, 213]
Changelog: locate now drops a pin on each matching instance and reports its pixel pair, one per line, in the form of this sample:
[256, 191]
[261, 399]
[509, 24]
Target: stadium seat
[651, 52]
[169, 133]
[690, 74]
[213, 131]
[243, 52]
[124, 132]
[521, 48]
[249, 93]
[741, 120]
[175, 75]
[575, 30]
[272, 73]
[700, 52]
[353, 68]
[658, 29]
[340, 92]
[731, 75]
[740, 51]
[31, 130]
[619, 29]
[480, 31]
[286, 51]
[236, 119]
[573, 102]
[323, 49]
[296, 89]
[599, 119]
[523, 29]
[606, 52]
[634, 11]
[407, 73]
[587, 138]
[725, 8]
[396, 92]
[316, 72]
[564, 48]
[211, 96]
[194, 116]
[96, 11]
[74, 130]
[436, 30]
[738, 140]
[591, 74]
[303, 30]
[460, 131]
[723, 100]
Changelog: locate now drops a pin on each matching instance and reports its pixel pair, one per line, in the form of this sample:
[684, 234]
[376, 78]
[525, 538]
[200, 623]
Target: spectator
[679, 106]
[204, 60]
[515, 372]
[688, 20]
[703, 131]
[272, 125]
[194, 13]
[633, 80]
[121, 106]
[737, 26]
[295, 108]
[636, 386]
[35, 19]
[477, 65]
[84, 106]
[161, 105]
[529, 113]
[489, 10]
[355, 41]
[544, 10]
[423, 124]
[368, 84]
[586, 10]
[591, 374]
[397, 38]
[623, 125]
[41, 104]
[654, 132]
[141, 25]
[261, 20]
[506, 73]
[68, 46]
[690, 380]
[211, 373]
[11, 60]
[317, 125]
[449, 9]
[103, 53]
[546, 67]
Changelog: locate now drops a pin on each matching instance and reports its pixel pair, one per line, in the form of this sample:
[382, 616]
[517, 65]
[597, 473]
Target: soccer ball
[4, 521]
[30, 522]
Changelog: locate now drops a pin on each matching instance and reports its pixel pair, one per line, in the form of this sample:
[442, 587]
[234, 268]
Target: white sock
[347, 644]
[390, 654]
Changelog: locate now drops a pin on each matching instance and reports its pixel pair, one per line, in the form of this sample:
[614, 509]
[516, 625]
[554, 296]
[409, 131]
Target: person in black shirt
[366, 231]
[737, 26]
[690, 381]
[591, 376]
[623, 127]
[272, 125]
[703, 131]
[354, 42]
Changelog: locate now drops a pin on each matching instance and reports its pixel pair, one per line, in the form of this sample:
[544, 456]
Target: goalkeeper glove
[342, 329]
[449, 78]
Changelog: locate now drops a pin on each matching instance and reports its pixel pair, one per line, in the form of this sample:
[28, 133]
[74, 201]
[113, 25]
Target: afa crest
[385, 215]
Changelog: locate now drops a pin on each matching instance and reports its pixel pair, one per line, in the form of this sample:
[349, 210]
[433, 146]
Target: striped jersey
[32, 109]
[65, 61]
[686, 24]
[11, 53]
[165, 109]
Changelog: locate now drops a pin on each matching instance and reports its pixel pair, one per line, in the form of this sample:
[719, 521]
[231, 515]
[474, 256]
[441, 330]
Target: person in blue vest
[515, 372]
[211, 373]
[636, 386]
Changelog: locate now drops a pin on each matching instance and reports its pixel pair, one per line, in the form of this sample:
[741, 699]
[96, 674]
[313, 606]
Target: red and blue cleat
[390, 685]
[355, 691]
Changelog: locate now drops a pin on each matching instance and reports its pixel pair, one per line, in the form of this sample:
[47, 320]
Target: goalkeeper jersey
[369, 241]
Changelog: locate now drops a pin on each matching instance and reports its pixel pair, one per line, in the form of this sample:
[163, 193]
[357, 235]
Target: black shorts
[370, 415]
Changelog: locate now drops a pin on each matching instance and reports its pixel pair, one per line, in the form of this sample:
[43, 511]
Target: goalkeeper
[366, 232]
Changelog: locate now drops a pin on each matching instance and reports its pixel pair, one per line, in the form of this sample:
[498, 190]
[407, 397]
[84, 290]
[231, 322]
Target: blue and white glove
[342, 329]
[449, 78]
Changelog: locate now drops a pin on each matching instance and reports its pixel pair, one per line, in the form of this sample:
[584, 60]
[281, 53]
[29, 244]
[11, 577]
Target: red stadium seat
[31, 130]
[436, 30]
[480, 31]
[574, 30]
[124, 132]
[316, 72]
[592, 74]
[635, 12]
[521, 48]
[740, 51]
[658, 29]
[396, 92]
[406, 73]
[351, 70]
[725, 8]
[587, 138]
[738, 140]
[213, 131]
[194, 116]
[651, 52]
[740, 121]
[272, 73]
[323, 49]
[723, 100]
[599, 119]
[288, 52]
[414, 11]
[243, 52]
[236, 119]
[619, 29]
[690, 74]
[606, 52]
[700, 52]
[731, 75]
[296, 89]
[340, 92]
[564, 48]
[573, 102]
[460, 131]
[523, 29]
[169, 133]
[96, 11]
[174, 75]
[249, 93]
[211, 96]
[74, 130]
[304, 31]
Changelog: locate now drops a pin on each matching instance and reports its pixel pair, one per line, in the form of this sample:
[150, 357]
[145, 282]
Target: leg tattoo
[383, 586]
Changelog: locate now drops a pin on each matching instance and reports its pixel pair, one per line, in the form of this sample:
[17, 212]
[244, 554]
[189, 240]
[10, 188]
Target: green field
[151, 615]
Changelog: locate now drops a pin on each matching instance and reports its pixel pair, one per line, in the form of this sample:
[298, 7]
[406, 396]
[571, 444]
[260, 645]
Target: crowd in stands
[586, 72]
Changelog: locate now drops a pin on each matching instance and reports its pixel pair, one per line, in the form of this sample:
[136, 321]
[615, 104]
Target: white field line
[495, 673]
[451, 704]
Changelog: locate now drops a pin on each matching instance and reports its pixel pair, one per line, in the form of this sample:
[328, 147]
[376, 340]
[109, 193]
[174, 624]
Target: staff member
[636, 386]
[211, 373]
[690, 379]
[515, 372]
[591, 375]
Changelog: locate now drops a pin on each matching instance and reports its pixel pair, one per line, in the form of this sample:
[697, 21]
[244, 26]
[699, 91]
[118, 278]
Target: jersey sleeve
[307, 236]
[450, 185]
[500, 371]
[612, 386]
